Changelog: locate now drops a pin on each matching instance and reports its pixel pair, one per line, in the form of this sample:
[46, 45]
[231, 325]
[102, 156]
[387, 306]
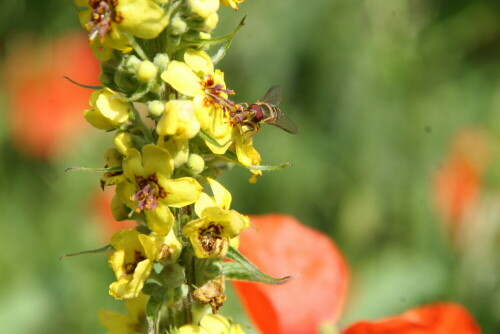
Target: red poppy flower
[44, 109]
[457, 185]
[280, 245]
[439, 318]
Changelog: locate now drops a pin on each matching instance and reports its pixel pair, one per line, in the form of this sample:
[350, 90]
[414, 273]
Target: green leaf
[221, 52]
[82, 85]
[244, 270]
[100, 170]
[92, 251]
[213, 41]
[140, 92]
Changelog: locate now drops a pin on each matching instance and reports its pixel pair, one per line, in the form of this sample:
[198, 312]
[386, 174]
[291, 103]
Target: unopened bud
[161, 61]
[156, 108]
[146, 71]
[203, 8]
[178, 26]
[196, 164]
[131, 63]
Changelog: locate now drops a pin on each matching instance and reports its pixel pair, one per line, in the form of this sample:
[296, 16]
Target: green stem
[139, 123]
[137, 48]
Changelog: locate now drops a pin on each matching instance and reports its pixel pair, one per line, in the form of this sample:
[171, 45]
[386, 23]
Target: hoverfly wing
[272, 96]
[286, 124]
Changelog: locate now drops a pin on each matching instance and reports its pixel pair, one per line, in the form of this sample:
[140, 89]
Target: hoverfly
[264, 111]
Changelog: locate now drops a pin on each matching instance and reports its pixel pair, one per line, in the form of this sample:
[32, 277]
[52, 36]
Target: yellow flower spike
[111, 22]
[150, 188]
[212, 233]
[133, 321]
[178, 120]
[108, 110]
[203, 8]
[132, 262]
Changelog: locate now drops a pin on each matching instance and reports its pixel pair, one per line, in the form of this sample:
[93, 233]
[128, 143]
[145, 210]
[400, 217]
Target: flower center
[147, 196]
[213, 93]
[103, 15]
[210, 237]
[130, 267]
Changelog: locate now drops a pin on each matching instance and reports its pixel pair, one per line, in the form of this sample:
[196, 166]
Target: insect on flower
[264, 111]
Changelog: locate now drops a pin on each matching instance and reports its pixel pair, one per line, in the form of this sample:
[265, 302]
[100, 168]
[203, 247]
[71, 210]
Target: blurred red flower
[457, 185]
[107, 224]
[439, 318]
[44, 109]
[280, 245]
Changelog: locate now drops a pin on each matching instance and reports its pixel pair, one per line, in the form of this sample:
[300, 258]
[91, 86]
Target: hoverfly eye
[258, 115]
[255, 107]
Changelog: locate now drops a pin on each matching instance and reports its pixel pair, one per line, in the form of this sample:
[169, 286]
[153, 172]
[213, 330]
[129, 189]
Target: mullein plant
[175, 128]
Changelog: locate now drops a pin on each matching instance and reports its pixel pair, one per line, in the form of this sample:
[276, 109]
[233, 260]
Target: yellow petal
[132, 165]
[130, 286]
[202, 203]
[222, 195]
[192, 329]
[160, 220]
[126, 239]
[199, 61]
[115, 323]
[148, 246]
[157, 160]
[215, 323]
[182, 78]
[142, 18]
[181, 192]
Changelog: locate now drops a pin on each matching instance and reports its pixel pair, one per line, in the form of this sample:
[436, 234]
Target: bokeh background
[398, 104]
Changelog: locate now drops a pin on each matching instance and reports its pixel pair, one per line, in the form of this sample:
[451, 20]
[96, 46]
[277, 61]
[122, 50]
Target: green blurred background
[381, 90]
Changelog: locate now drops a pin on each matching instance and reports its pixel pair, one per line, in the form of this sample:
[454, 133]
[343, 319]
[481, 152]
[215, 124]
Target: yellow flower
[132, 262]
[217, 226]
[133, 258]
[149, 187]
[111, 22]
[134, 321]
[246, 153]
[203, 8]
[178, 120]
[232, 3]
[197, 78]
[108, 110]
[212, 324]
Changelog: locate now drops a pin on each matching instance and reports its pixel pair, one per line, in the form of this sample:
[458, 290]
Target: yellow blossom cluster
[174, 127]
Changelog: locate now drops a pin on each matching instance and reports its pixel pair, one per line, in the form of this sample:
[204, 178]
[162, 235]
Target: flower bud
[156, 108]
[123, 141]
[146, 71]
[178, 26]
[161, 61]
[211, 22]
[203, 8]
[108, 111]
[196, 164]
[131, 63]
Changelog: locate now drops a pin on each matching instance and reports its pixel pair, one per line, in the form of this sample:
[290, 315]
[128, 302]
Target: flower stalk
[170, 269]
